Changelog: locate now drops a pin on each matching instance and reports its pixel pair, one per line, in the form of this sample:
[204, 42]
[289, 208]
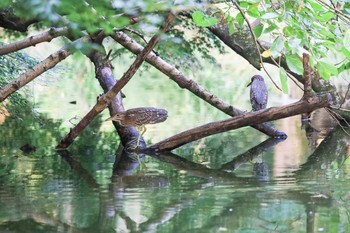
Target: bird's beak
[249, 84]
[109, 119]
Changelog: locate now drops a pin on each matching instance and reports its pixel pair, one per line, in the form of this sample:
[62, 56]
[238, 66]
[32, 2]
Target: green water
[237, 181]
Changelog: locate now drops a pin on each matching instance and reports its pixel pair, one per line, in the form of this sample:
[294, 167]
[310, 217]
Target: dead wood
[48, 63]
[33, 40]
[246, 119]
[187, 83]
[104, 100]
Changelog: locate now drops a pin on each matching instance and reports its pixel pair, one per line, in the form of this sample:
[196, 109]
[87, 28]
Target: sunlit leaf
[295, 64]
[346, 40]
[277, 46]
[231, 28]
[326, 70]
[325, 17]
[300, 6]
[202, 20]
[270, 15]
[253, 12]
[240, 19]
[317, 7]
[346, 52]
[283, 79]
[344, 67]
[270, 28]
[266, 53]
[288, 31]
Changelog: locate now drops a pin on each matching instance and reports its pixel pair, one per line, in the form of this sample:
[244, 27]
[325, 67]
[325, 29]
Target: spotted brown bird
[139, 117]
[258, 93]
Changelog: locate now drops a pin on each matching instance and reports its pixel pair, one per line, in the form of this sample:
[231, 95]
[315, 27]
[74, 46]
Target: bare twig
[256, 42]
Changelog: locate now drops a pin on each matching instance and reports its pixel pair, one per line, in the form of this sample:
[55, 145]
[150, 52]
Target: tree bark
[33, 40]
[48, 63]
[241, 121]
[187, 83]
[104, 100]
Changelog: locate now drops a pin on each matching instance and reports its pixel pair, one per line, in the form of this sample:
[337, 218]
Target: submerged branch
[104, 100]
[48, 63]
[33, 40]
[241, 121]
[187, 83]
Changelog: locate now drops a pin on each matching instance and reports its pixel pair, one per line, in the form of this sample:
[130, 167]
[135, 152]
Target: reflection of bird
[258, 93]
[139, 117]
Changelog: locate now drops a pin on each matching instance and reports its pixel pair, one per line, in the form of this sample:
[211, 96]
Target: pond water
[238, 181]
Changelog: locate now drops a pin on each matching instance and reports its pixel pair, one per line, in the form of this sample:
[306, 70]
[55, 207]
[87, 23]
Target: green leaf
[253, 12]
[346, 40]
[326, 70]
[240, 19]
[283, 79]
[344, 67]
[269, 15]
[231, 28]
[202, 20]
[270, 28]
[277, 46]
[317, 7]
[258, 30]
[295, 64]
[288, 31]
[325, 17]
[346, 52]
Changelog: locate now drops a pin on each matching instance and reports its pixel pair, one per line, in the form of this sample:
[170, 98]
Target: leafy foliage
[321, 26]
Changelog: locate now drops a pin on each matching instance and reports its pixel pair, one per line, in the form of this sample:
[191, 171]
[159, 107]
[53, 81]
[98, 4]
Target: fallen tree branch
[33, 40]
[104, 100]
[187, 83]
[48, 63]
[246, 119]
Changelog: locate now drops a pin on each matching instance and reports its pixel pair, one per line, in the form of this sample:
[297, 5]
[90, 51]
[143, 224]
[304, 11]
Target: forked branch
[103, 101]
[187, 83]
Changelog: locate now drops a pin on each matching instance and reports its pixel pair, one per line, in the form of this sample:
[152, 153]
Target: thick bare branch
[185, 82]
[241, 121]
[33, 40]
[103, 101]
[48, 63]
[307, 75]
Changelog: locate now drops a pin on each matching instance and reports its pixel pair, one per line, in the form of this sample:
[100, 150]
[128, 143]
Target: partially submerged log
[249, 118]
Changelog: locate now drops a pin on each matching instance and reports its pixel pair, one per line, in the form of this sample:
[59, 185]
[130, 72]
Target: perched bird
[139, 117]
[258, 93]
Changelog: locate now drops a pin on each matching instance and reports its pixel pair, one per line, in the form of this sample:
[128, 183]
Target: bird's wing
[260, 92]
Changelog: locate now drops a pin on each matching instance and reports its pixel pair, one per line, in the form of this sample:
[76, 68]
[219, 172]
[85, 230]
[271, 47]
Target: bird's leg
[141, 130]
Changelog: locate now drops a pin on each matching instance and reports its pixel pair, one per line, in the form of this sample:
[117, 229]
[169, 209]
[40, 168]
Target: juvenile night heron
[139, 117]
[258, 93]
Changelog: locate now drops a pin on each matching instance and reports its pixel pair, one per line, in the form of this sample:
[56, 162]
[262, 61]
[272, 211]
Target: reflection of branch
[250, 154]
[195, 168]
[250, 118]
[333, 148]
[33, 40]
[80, 170]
